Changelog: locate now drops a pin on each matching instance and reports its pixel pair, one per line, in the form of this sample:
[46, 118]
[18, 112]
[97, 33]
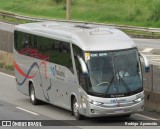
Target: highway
[147, 43]
[16, 106]
[150, 48]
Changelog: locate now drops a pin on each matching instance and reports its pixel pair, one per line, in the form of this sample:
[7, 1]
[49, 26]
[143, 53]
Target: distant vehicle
[88, 69]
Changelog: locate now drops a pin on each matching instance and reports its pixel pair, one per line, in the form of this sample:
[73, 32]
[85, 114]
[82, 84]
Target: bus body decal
[27, 75]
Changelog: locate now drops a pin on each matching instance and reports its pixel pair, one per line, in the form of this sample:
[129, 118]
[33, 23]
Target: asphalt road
[16, 106]
[145, 43]
[141, 44]
[153, 43]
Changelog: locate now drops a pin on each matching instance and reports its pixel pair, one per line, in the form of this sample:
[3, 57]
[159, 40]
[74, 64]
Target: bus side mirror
[146, 62]
[83, 66]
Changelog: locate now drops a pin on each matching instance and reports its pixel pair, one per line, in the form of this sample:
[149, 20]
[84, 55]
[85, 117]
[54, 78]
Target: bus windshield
[114, 74]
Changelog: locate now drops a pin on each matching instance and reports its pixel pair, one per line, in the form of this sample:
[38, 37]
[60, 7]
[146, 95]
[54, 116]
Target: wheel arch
[29, 85]
[73, 95]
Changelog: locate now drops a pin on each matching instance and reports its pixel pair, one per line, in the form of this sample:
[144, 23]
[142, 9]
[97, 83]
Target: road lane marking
[27, 111]
[38, 114]
[7, 75]
[147, 49]
[150, 118]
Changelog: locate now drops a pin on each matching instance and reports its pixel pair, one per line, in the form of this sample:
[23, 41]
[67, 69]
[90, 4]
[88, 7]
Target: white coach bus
[90, 70]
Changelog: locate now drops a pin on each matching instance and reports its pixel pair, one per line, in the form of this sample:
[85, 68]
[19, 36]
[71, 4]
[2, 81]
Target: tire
[75, 110]
[33, 98]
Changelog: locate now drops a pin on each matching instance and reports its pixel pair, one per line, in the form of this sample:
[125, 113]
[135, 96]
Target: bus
[91, 70]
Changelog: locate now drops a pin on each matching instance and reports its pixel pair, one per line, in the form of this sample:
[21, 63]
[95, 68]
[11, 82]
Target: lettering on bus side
[56, 70]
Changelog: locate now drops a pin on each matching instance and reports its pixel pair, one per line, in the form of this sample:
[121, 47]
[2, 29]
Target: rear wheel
[33, 98]
[75, 110]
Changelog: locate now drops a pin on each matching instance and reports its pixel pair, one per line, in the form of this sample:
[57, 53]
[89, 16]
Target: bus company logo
[57, 71]
[118, 100]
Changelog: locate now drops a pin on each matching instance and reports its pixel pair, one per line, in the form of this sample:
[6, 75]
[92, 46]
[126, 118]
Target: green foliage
[129, 12]
[1, 64]
[9, 67]
[155, 11]
[64, 2]
[59, 1]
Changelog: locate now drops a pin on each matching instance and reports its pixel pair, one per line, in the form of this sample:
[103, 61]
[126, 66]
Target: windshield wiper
[111, 81]
[125, 84]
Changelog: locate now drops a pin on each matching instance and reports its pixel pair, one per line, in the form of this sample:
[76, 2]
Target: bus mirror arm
[146, 62]
[83, 66]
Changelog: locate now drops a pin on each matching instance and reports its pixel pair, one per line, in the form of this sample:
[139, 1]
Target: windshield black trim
[118, 50]
[116, 95]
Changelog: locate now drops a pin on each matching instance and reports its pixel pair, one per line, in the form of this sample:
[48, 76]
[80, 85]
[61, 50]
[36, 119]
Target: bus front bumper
[98, 111]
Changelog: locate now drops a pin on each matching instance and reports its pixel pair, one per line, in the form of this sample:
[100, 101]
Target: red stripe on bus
[25, 75]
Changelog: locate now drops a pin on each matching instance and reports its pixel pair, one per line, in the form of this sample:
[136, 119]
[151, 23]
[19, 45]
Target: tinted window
[51, 50]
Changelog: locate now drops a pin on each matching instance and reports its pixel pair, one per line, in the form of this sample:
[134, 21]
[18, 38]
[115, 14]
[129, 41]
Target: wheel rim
[32, 95]
[75, 108]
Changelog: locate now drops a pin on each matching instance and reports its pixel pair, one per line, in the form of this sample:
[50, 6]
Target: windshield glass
[114, 73]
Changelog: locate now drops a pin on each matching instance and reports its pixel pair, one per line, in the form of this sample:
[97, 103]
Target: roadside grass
[13, 20]
[133, 33]
[124, 12]
[1, 64]
[7, 67]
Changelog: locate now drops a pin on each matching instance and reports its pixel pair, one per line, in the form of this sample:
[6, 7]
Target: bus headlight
[138, 100]
[95, 103]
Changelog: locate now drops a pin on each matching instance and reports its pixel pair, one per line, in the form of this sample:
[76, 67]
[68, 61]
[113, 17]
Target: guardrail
[34, 19]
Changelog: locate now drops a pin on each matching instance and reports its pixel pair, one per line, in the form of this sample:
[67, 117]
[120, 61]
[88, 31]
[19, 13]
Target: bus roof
[87, 37]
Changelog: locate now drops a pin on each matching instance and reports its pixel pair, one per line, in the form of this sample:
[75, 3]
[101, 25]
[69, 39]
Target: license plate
[119, 111]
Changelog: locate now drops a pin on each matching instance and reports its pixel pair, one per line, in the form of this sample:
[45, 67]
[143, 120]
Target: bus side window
[26, 41]
[81, 78]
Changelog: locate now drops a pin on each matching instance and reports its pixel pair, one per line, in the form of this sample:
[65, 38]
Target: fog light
[92, 110]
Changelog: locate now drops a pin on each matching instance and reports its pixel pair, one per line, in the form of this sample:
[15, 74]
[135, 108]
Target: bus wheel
[76, 110]
[33, 99]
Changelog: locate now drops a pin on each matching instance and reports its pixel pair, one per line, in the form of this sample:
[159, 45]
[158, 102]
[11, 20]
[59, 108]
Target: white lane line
[38, 114]
[7, 75]
[27, 111]
[147, 49]
[147, 117]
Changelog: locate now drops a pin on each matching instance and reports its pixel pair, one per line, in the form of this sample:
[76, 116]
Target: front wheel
[75, 110]
[33, 98]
